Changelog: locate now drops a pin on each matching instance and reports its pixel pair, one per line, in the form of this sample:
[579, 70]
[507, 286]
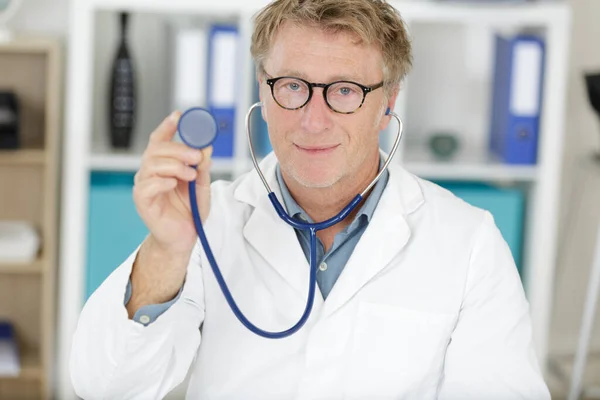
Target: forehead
[321, 55]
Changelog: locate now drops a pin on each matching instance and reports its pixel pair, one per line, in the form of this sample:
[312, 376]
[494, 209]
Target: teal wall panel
[507, 205]
[115, 229]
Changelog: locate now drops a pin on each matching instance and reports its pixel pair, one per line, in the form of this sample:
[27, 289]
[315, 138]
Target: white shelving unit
[474, 165]
[83, 152]
[104, 159]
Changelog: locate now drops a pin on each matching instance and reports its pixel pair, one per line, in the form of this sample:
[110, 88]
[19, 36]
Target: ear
[390, 104]
[263, 111]
[260, 78]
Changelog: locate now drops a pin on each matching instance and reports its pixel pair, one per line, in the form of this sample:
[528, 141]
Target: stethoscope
[198, 129]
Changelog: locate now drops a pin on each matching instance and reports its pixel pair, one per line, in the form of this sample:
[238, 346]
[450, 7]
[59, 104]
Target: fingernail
[174, 117]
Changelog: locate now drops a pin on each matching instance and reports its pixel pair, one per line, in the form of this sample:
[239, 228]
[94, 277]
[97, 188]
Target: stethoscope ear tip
[387, 112]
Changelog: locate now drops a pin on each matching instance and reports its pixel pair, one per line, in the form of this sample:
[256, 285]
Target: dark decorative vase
[122, 101]
[592, 83]
[9, 121]
[593, 90]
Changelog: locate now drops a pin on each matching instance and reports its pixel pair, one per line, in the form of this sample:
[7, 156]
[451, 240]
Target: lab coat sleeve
[491, 354]
[114, 357]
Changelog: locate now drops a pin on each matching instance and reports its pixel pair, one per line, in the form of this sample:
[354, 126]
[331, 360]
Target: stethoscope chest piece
[197, 128]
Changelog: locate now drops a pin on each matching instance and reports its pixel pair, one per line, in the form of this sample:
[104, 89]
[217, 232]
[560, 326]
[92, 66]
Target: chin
[315, 179]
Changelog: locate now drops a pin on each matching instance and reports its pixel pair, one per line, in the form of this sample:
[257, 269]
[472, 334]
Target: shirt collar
[364, 214]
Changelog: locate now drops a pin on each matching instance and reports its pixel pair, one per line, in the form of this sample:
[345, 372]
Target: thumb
[167, 128]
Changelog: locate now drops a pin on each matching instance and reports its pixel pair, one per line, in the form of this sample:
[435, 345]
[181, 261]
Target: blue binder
[10, 363]
[222, 84]
[517, 98]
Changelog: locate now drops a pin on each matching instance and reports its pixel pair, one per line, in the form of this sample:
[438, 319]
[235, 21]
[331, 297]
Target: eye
[294, 86]
[345, 90]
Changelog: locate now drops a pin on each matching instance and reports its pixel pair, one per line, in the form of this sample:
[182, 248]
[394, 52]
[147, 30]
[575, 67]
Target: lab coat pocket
[397, 352]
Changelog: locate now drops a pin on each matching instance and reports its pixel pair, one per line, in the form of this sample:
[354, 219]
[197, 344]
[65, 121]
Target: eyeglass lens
[293, 93]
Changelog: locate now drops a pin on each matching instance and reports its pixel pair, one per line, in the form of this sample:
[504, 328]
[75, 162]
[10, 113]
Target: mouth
[317, 150]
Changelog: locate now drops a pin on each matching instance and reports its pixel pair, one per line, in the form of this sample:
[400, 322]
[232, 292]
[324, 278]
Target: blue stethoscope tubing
[313, 228]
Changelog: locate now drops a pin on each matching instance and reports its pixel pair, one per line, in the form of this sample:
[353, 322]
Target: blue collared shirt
[330, 264]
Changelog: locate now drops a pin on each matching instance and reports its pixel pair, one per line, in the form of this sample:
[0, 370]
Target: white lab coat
[429, 305]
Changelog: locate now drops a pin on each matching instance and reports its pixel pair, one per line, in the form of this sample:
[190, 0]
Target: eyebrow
[335, 78]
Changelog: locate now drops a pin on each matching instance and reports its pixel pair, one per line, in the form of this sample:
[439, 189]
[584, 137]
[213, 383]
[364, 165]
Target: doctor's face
[316, 146]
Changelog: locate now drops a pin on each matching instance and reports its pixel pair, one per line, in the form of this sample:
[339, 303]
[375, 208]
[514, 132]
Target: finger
[146, 191]
[166, 130]
[167, 168]
[203, 179]
[175, 150]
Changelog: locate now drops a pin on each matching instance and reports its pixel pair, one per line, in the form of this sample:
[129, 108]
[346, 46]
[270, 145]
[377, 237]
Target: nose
[316, 115]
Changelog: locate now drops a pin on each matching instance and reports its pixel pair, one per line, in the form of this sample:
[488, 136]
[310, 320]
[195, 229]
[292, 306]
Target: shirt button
[323, 266]
[144, 319]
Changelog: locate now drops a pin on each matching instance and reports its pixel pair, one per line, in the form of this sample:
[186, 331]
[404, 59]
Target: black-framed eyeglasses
[344, 97]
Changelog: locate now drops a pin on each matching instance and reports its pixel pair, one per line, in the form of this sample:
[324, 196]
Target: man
[418, 296]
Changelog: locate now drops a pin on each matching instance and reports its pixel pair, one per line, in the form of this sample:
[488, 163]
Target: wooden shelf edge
[22, 157]
[21, 43]
[35, 267]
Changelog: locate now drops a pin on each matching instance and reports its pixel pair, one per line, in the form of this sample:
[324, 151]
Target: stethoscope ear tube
[392, 152]
[312, 228]
[366, 190]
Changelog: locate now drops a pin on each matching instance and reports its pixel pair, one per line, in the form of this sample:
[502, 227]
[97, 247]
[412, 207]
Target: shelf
[27, 45]
[467, 165]
[22, 157]
[115, 161]
[15, 268]
[129, 161]
[505, 14]
[179, 6]
[412, 10]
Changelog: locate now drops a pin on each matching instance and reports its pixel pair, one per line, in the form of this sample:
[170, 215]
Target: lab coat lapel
[385, 237]
[271, 237]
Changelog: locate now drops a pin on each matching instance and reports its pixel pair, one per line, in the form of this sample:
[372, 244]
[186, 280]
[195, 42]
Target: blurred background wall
[42, 16]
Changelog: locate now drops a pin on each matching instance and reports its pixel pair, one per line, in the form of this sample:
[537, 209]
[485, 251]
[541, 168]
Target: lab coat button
[144, 319]
[323, 266]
